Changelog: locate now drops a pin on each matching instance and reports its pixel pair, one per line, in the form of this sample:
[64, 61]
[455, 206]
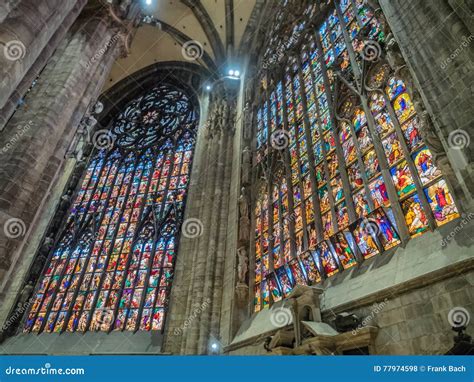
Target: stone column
[196, 298]
[20, 93]
[436, 41]
[34, 143]
[26, 28]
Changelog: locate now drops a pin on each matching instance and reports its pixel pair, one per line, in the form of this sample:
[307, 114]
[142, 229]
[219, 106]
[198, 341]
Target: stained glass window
[112, 266]
[357, 178]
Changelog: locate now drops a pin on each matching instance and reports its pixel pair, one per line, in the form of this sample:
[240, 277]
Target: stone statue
[244, 221]
[243, 265]
[4, 261]
[394, 55]
[246, 165]
[25, 294]
[243, 203]
[40, 260]
[98, 107]
[65, 201]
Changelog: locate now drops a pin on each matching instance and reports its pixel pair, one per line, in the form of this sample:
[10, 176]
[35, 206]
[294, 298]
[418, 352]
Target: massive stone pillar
[436, 40]
[197, 294]
[35, 140]
[27, 28]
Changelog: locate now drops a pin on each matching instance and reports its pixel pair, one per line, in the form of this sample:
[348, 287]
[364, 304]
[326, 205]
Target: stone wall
[417, 322]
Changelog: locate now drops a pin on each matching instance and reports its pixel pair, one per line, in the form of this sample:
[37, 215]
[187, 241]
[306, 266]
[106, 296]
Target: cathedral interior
[236, 177]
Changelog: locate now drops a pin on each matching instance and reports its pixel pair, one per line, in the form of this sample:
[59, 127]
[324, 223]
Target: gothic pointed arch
[111, 267]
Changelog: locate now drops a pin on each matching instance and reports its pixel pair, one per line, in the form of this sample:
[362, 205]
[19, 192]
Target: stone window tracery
[112, 266]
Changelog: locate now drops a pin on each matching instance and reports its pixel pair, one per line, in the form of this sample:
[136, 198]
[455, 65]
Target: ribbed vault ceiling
[215, 25]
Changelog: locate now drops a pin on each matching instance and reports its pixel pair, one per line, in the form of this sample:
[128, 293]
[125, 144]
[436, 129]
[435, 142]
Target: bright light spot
[148, 2]
[214, 346]
[231, 72]
[236, 73]
[208, 87]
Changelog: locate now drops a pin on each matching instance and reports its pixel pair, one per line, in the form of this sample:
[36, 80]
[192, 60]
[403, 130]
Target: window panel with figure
[441, 202]
[425, 165]
[365, 235]
[415, 216]
[402, 179]
[310, 268]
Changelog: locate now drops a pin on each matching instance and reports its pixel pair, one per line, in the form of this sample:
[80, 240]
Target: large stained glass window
[355, 178]
[112, 266]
